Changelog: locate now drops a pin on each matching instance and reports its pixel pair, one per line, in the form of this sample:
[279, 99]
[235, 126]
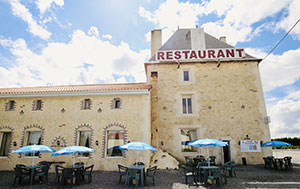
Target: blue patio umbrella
[137, 146]
[275, 143]
[73, 150]
[33, 149]
[207, 143]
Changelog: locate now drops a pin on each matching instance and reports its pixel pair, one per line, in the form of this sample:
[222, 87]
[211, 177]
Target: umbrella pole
[73, 159]
[208, 156]
[32, 160]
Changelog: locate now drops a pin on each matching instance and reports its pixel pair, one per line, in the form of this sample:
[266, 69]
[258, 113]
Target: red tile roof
[76, 88]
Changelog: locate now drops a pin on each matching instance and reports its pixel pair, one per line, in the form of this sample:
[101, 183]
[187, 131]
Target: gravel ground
[250, 176]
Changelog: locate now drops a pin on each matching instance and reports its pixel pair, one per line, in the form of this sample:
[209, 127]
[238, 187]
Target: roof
[180, 41]
[75, 89]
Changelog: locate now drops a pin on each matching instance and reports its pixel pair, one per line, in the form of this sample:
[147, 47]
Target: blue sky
[57, 42]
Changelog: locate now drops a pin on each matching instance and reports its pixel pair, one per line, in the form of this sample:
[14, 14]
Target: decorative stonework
[34, 105]
[89, 127]
[7, 105]
[30, 127]
[61, 140]
[82, 104]
[5, 127]
[113, 103]
[104, 137]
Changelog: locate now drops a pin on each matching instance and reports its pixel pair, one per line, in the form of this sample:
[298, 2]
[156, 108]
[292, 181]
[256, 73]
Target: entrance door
[226, 151]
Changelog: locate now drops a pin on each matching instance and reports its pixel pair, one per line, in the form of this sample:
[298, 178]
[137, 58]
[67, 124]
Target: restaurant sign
[250, 146]
[177, 55]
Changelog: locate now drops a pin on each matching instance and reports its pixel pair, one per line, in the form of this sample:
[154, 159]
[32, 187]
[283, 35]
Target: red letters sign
[174, 55]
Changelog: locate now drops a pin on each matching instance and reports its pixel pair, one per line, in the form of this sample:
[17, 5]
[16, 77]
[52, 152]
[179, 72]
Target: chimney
[223, 39]
[155, 40]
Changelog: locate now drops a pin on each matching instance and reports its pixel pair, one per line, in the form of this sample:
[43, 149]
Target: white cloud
[107, 36]
[293, 15]
[280, 70]
[285, 120]
[44, 5]
[236, 17]
[93, 31]
[84, 59]
[22, 12]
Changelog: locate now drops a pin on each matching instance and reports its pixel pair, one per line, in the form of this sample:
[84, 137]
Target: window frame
[37, 105]
[11, 105]
[7, 143]
[28, 134]
[184, 76]
[87, 104]
[89, 145]
[120, 132]
[187, 147]
[187, 105]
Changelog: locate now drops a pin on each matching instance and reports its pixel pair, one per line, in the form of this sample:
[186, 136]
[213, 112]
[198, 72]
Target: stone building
[197, 87]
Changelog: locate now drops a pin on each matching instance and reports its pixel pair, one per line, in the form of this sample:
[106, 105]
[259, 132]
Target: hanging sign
[176, 55]
[250, 146]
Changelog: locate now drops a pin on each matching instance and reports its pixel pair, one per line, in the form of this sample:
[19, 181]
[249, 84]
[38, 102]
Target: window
[187, 105]
[186, 76]
[114, 140]
[84, 140]
[187, 135]
[5, 139]
[37, 105]
[34, 137]
[117, 103]
[10, 106]
[87, 104]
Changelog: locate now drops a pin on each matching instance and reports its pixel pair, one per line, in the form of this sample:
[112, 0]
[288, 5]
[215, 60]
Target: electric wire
[281, 40]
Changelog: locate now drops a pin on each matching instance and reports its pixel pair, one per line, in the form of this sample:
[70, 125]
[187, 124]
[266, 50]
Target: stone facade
[227, 104]
[64, 126]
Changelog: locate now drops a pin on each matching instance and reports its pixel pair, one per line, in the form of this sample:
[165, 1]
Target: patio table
[141, 169]
[279, 163]
[206, 170]
[32, 171]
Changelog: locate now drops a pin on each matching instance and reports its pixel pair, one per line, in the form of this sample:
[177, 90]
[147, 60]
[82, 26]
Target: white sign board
[250, 146]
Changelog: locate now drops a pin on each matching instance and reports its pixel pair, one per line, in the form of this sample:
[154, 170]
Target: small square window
[116, 103]
[37, 105]
[10, 105]
[87, 104]
[186, 76]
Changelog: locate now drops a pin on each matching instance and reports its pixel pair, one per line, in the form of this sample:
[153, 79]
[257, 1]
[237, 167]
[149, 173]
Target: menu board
[250, 146]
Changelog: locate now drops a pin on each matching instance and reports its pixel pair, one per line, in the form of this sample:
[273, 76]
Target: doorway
[226, 151]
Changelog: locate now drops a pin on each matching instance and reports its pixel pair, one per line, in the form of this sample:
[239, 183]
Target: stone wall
[61, 118]
[228, 104]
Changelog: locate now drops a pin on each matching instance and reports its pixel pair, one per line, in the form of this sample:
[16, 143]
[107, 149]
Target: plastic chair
[131, 175]
[59, 173]
[230, 168]
[216, 176]
[42, 173]
[79, 164]
[212, 160]
[138, 163]
[150, 172]
[68, 174]
[122, 171]
[189, 172]
[288, 163]
[88, 172]
[20, 174]
[268, 163]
